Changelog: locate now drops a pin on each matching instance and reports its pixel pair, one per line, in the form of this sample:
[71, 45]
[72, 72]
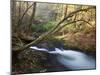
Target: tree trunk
[13, 15]
[32, 16]
[52, 31]
[65, 11]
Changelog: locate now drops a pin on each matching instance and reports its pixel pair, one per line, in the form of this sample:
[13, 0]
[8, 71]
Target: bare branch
[70, 15]
[20, 20]
[33, 14]
[60, 27]
[45, 35]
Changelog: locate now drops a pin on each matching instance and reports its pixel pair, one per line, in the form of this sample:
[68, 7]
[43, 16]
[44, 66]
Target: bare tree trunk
[32, 16]
[75, 18]
[20, 21]
[52, 31]
[27, 5]
[65, 11]
[13, 14]
[20, 7]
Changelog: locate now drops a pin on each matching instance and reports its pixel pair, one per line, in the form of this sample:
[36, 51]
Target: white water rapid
[71, 59]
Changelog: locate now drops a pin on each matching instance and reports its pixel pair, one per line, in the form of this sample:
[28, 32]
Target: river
[68, 59]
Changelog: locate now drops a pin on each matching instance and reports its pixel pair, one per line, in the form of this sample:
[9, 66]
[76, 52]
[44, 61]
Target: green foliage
[48, 25]
[37, 28]
[43, 27]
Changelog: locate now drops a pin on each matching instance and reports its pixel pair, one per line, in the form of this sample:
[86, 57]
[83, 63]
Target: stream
[69, 59]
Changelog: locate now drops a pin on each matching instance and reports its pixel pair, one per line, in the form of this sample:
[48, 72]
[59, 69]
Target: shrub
[43, 27]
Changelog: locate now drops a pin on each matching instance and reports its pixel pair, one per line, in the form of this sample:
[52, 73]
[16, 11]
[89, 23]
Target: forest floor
[34, 61]
[29, 61]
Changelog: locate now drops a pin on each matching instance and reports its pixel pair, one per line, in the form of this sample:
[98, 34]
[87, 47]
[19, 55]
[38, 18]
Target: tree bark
[60, 27]
[52, 31]
[20, 20]
[65, 11]
[32, 16]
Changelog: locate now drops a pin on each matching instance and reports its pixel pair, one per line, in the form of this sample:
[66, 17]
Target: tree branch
[70, 15]
[45, 35]
[33, 15]
[20, 20]
[60, 27]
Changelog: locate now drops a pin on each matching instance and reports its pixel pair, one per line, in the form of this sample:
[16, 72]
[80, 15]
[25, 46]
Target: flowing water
[71, 59]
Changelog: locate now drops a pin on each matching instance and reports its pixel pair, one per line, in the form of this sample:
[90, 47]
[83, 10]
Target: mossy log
[47, 34]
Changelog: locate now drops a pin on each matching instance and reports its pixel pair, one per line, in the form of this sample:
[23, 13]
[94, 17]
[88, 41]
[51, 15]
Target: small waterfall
[39, 49]
[71, 59]
[76, 60]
